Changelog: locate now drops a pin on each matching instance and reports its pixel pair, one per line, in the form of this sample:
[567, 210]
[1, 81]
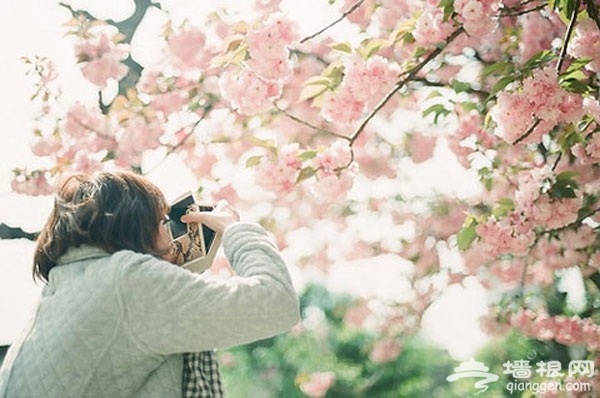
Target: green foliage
[275, 367]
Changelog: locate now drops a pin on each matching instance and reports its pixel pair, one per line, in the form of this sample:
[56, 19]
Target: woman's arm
[170, 310]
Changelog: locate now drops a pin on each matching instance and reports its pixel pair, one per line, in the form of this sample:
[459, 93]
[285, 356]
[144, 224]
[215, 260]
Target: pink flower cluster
[332, 184]
[268, 48]
[555, 213]
[187, 49]
[82, 121]
[476, 16]
[586, 43]
[538, 32]
[137, 136]
[564, 330]
[101, 58]
[541, 98]
[512, 234]
[430, 28]
[385, 350]
[365, 83]
[279, 173]
[33, 184]
[421, 147]
[247, 92]
[317, 384]
[261, 79]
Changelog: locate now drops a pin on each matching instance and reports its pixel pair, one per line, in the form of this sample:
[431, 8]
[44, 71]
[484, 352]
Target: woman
[114, 319]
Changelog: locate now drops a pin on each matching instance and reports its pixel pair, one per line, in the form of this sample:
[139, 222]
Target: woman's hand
[218, 220]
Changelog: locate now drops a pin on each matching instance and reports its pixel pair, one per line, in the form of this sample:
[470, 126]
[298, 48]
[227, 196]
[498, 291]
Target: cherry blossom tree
[316, 125]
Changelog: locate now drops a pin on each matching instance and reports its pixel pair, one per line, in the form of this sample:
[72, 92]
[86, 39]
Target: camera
[194, 244]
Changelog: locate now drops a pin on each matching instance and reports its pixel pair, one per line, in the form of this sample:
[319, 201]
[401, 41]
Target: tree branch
[8, 232]
[568, 33]
[344, 15]
[528, 132]
[309, 125]
[410, 75]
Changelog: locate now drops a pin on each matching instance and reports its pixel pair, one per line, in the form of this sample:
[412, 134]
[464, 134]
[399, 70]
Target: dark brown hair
[110, 210]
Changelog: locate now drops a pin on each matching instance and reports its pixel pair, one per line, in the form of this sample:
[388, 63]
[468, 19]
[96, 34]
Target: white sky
[31, 27]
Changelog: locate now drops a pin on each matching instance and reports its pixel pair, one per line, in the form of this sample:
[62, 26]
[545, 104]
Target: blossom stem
[309, 125]
[332, 24]
[410, 75]
[515, 12]
[568, 33]
[528, 132]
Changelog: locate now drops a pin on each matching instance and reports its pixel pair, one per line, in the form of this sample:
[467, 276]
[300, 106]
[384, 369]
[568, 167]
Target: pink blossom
[592, 147]
[187, 48]
[362, 15]
[101, 59]
[543, 99]
[385, 350]
[356, 316]
[271, 68]
[247, 92]
[100, 70]
[332, 187]
[475, 17]
[342, 107]
[513, 234]
[85, 163]
[272, 37]
[139, 135]
[530, 184]
[279, 174]
[168, 102]
[592, 108]
[267, 6]
[318, 384]
[336, 156]
[586, 43]
[431, 28]
[32, 184]
[555, 213]
[46, 145]
[421, 147]
[82, 120]
[538, 34]
[369, 81]
[392, 12]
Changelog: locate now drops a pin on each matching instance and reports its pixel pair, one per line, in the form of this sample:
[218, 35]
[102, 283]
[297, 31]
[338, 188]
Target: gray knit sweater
[117, 325]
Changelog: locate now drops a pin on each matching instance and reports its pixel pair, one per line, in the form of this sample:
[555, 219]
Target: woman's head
[110, 210]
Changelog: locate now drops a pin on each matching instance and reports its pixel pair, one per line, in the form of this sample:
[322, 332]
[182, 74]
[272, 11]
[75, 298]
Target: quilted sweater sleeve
[171, 310]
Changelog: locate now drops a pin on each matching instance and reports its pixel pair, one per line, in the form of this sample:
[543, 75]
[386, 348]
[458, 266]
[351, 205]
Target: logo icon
[476, 369]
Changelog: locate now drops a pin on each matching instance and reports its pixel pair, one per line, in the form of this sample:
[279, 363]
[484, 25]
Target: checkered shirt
[201, 377]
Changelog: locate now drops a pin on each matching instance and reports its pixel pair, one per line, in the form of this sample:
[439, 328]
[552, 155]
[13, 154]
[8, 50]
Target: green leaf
[311, 91]
[500, 85]
[438, 110]
[565, 186]
[306, 173]
[503, 207]
[469, 106]
[467, 234]
[497, 68]
[459, 86]
[317, 81]
[448, 7]
[253, 161]
[307, 155]
[344, 47]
